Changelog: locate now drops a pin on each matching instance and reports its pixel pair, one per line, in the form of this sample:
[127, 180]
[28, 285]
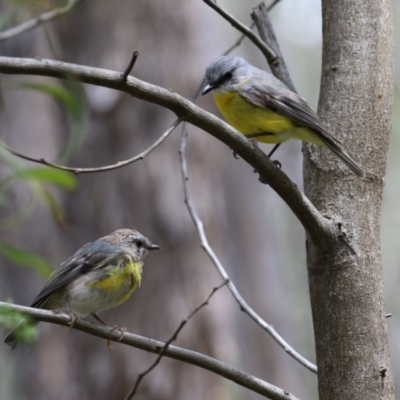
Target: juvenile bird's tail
[11, 340]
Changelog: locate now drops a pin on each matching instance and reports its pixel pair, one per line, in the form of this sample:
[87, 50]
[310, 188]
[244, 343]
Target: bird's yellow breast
[248, 118]
[121, 280]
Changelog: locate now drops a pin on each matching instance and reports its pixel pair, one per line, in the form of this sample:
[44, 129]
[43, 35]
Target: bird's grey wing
[264, 90]
[90, 256]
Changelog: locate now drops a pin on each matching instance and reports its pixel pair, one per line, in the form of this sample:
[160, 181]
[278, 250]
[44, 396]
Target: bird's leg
[276, 162]
[114, 328]
[273, 150]
[252, 138]
[261, 134]
[74, 317]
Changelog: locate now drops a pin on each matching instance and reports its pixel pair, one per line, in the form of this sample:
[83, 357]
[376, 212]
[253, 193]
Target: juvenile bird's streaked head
[225, 73]
[138, 244]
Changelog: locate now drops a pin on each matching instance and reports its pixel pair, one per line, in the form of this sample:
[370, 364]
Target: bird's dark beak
[153, 247]
[207, 89]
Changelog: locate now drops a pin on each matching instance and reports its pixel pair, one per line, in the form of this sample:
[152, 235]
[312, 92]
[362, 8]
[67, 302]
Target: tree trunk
[345, 278]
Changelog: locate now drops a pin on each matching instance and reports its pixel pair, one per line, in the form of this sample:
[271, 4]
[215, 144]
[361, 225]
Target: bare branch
[128, 70]
[41, 19]
[209, 251]
[243, 36]
[278, 67]
[119, 164]
[272, 5]
[172, 339]
[240, 39]
[321, 231]
[238, 42]
[265, 49]
[153, 346]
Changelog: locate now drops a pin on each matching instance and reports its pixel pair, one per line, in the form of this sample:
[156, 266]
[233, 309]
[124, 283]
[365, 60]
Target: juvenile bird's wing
[90, 256]
[264, 90]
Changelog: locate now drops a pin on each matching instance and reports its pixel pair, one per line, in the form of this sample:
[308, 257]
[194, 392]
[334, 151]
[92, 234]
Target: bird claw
[254, 143]
[115, 328]
[277, 164]
[74, 320]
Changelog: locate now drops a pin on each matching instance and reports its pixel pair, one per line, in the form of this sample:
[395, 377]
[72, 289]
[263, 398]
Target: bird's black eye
[227, 76]
[138, 242]
[224, 78]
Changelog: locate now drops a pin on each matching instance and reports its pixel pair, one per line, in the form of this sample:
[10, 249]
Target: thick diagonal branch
[319, 230]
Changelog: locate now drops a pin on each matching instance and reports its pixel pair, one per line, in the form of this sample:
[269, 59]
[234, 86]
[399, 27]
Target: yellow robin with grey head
[262, 107]
[100, 275]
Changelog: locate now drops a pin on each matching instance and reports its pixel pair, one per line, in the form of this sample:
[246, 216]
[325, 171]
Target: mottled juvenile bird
[262, 107]
[99, 276]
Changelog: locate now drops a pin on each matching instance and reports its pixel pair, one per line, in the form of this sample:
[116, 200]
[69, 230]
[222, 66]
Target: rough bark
[346, 281]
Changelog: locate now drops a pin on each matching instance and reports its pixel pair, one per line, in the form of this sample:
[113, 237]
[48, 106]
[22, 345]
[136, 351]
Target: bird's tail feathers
[335, 148]
[11, 340]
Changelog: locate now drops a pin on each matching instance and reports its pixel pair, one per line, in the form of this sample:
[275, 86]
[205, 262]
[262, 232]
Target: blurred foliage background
[45, 214]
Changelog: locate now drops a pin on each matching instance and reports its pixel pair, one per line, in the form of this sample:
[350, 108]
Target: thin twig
[119, 164]
[172, 339]
[263, 23]
[209, 251]
[273, 4]
[267, 51]
[237, 43]
[41, 19]
[199, 225]
[153, 346]
[128, 70]
[243, 36]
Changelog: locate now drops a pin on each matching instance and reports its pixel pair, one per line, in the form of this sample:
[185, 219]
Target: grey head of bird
[132, 239]
[226, 73]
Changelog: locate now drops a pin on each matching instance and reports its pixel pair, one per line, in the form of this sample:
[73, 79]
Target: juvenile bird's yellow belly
[100, 290]
[121, 282]
[248, 118]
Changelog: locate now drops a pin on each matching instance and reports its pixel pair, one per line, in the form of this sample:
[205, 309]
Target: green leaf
[56, 91]
[63, 179]
[23, 328]
[71, 96]
[26, 259]
[56, 209]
